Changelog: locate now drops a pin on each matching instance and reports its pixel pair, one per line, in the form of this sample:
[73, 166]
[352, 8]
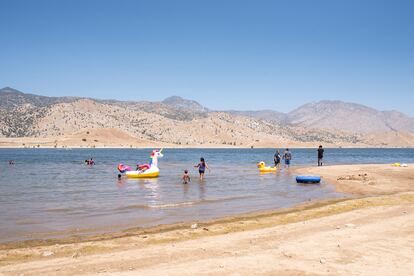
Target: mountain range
[34, 120]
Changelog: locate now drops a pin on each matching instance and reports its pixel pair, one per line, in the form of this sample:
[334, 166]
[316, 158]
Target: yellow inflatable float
[399, 165]
[263, 168]
[150, 170]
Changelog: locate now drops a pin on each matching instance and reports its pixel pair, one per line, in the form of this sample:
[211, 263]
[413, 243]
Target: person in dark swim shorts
[320, 155]
[202, 166]
[287, 156]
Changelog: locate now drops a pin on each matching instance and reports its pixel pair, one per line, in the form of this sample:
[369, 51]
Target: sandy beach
[371, 233]
[366, 179]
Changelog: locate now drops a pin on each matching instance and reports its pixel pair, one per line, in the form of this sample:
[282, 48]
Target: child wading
[186, 177]
[202, 166]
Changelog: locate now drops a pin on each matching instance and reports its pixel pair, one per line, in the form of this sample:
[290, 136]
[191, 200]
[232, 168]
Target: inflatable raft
[308, 179]
[150, 170]
[150, 173]
[265, 169]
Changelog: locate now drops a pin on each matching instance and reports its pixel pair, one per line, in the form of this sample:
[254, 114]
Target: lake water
[51, 193]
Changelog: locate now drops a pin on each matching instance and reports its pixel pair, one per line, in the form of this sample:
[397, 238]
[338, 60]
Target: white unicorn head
[154, 156]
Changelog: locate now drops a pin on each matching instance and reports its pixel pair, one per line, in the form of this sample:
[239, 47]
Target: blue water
[51, 193]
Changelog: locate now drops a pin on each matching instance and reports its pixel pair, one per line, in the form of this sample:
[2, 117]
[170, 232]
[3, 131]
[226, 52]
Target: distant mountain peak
[349, 117]
[181, 103]
[8, 89]
[173, 98]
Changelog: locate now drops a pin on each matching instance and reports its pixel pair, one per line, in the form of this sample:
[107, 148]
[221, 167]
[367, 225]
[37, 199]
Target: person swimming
[186, 177]
[90, 161]
[202, 166]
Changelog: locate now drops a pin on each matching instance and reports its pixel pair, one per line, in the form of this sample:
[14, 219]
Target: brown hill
[349, 117]
[96, 123]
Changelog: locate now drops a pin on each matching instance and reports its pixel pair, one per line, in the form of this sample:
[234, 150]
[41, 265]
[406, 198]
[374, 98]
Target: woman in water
[277, 158]
[202, 166]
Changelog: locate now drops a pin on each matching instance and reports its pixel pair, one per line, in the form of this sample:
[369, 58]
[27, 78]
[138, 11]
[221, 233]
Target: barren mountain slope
[215, 128]
[353, 118]
[182, 122]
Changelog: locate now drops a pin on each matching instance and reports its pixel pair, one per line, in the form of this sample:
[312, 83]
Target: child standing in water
[202, 166]
[186, 177]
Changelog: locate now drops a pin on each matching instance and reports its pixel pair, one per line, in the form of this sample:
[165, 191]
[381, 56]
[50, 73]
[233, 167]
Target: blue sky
[224, 54]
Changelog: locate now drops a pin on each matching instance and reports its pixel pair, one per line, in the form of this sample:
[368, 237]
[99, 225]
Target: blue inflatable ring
[308, 179]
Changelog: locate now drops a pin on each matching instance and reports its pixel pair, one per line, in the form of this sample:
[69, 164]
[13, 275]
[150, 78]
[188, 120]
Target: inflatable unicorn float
[150, 170]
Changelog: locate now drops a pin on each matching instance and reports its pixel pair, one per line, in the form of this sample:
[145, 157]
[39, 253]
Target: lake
[52, 193]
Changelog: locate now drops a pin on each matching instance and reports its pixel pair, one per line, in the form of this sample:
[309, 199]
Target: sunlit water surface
[51, 193]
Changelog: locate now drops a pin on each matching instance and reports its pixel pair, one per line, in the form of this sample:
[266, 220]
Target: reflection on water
[52, 191]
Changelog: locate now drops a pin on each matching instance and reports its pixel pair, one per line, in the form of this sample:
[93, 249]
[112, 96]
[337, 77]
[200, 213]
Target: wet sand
[365, 235]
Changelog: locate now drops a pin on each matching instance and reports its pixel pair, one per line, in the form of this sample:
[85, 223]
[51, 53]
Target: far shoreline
[200, 147]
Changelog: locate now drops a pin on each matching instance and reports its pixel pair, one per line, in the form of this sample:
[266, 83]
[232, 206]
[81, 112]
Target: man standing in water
[287, 156]
[320, 155]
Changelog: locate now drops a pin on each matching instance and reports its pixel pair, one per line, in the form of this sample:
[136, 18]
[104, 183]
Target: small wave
[180, 204]
[27, 222]
[135, 206]
[58, 210]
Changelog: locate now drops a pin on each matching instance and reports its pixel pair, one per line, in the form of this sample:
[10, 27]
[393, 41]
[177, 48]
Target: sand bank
[356, 236]
[366, 179]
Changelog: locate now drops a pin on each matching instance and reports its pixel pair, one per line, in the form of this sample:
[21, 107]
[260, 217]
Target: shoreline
[163, 228]
[384, 196]
[152, 146]
[42, 257]
[303, 211]
[348, 189]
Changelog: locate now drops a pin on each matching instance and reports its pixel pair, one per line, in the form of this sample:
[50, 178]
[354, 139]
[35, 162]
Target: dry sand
[359, 236]
[365, 179]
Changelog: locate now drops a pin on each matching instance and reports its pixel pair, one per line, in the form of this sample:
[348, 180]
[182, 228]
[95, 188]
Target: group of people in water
[277, 158]
[287, 157]
[89, 162]
[202, 166]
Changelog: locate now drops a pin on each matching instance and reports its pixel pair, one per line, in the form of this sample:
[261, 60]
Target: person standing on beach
[287, 156]
[277, 158]
[320, 155]
[202, 166]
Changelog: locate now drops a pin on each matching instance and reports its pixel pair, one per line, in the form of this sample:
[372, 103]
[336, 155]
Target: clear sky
[225, 54]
